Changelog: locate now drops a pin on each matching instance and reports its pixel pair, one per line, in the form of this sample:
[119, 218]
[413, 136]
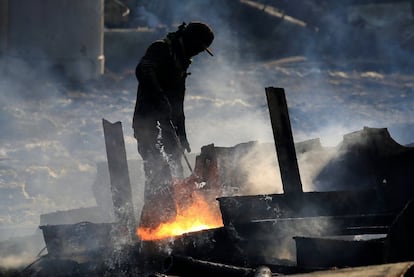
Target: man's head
[197, 37]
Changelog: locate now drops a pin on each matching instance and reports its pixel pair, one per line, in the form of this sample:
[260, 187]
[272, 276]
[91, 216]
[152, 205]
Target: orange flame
[199, 215]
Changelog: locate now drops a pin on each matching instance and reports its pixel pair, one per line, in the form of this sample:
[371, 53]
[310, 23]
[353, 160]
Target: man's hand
[185, 144]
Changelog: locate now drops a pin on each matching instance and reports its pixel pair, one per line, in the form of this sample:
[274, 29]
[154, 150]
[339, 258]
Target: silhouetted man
[159, 115]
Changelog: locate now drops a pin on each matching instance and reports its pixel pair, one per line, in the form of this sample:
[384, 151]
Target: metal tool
[177, 140]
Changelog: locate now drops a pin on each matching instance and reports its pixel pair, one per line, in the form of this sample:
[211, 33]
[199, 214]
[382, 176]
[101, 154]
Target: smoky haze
[51, 130]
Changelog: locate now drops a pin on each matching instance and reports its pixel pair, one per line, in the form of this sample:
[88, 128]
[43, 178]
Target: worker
[159, 115]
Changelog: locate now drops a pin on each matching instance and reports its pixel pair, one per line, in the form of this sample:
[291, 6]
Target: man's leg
[159, 204]
[174, 152]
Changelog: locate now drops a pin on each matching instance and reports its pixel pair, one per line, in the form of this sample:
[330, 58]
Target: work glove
[185, 144]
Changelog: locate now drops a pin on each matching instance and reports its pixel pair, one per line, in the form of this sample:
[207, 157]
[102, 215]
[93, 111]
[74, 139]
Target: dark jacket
[161, 74]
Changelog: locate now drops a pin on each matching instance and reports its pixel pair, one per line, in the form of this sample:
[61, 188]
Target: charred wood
[282, 133]
[372, 175]
[188, 266]
[339, 251]
[274, 12]
[4, 22]
[400, 240]
[118, 173]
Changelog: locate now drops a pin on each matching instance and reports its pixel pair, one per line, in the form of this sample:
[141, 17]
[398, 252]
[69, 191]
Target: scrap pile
[256, 235]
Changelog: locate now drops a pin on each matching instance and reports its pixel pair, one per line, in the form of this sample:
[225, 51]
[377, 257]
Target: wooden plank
[188, 266]
[282, 133]
[118, 173]
[4, 26]
[391, 270]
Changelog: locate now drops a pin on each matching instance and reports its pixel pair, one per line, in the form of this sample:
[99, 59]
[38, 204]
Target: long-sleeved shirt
[161, 74]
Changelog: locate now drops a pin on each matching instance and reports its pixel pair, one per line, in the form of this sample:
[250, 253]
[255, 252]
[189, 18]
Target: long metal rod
[177, 140]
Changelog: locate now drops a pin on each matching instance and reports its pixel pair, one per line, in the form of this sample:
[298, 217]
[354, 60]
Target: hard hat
[201, 33]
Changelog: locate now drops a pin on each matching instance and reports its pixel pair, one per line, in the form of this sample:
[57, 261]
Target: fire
[199, 215]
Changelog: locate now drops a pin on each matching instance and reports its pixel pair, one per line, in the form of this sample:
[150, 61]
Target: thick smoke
[329, 93]
[51, 131]
[353, 72]
[51, 140]
[334, 85]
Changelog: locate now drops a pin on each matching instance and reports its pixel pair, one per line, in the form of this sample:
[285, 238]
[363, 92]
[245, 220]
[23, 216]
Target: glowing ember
[199, 215]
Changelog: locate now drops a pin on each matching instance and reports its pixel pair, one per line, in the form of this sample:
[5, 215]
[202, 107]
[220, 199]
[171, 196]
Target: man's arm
[148, 71]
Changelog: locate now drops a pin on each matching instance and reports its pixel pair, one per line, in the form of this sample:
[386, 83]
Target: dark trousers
[162, 162]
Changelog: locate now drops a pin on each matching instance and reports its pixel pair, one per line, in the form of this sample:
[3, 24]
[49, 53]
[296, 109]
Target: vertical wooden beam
[119, 175]
[412, 7]
[282, 133]
[4, 26]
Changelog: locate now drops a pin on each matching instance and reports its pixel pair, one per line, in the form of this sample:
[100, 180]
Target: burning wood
[195, 201]
[194, 212]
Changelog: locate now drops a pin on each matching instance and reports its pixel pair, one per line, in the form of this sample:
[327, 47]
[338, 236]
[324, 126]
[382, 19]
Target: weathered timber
[311, 204]
[313, 226]
[118, 173]
[188, 266]
[395, 269]
[313, 13]
[372, 175]
[77, 239]
[282, 133]
[214, 245]
[274, 12]
[270, 241]
[339, 251]
[4, 26]
[400, 239]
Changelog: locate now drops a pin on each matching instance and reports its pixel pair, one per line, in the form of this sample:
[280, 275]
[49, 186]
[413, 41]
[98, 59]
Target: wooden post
[119, 175]
[4, 26]
[282, 133]
[412, 7]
